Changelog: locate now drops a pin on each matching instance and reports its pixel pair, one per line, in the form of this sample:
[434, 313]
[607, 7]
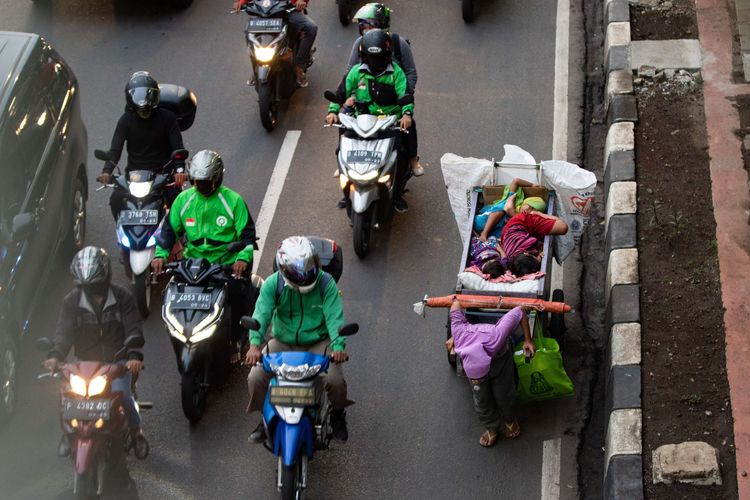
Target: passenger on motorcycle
[95, 319]
[211, 216]
[151, 133]
[378, 16]
[303, 24]
[306, 313]
[378, 78]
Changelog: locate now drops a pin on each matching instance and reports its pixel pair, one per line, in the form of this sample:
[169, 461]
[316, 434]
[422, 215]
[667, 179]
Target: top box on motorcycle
[180, 101]
[330, 255]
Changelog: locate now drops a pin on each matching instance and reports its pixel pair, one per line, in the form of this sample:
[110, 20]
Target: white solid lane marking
[551, 469]
[273, 192]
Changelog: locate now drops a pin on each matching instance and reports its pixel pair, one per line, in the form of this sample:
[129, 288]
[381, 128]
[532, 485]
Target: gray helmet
[206, 165]
[91, 266]
[298, 263]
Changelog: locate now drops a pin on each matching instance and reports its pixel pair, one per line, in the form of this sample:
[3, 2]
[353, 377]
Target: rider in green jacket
[212, 216]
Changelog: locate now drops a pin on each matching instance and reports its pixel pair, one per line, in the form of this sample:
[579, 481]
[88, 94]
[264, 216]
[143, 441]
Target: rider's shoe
[63, 448]
[301, 77]
[139, 443]
[338, 423]
[400, 205]
[341, 204]
[259, 434]
[417, 169]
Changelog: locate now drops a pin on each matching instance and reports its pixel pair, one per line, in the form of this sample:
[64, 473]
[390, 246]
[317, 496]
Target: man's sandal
[488, 439]
[512, 429]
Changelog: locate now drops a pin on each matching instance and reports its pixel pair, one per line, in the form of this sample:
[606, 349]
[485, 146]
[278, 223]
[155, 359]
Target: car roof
[15, 49]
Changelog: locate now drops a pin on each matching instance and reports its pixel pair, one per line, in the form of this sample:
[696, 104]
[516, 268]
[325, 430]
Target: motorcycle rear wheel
[362, 231]
[268, 107]
[469, 10]
[142, 292]
[345, 16]
[193, 394]
[289, 482]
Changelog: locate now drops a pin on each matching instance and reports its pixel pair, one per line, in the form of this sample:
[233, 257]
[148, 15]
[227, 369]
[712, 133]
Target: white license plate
[262, 25]
[139, 217]
[85, 409]
[200, 301]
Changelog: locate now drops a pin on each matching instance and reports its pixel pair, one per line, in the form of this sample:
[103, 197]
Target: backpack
[396, 44]
[325, 278]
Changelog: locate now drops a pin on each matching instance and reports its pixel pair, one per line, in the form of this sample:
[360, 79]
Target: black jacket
[97, 337]
[150, 141]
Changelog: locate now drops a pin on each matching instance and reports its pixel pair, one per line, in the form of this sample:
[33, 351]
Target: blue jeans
[122, 385]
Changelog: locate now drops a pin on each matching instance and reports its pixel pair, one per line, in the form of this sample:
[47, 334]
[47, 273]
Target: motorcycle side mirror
[348, 330]
[102, 155]
[43, 344]
[407, 99]
[179, 154]
[236, 247]
[22, 227]
[134, 342]
[249, 323]
[333, 97]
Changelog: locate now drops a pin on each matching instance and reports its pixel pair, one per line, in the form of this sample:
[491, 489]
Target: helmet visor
[301, 272]
[144, 97]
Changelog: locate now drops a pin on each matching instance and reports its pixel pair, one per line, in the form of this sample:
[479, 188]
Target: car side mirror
[179, 154]
[348, 330]
[102, 155]
[44, 344]
[135, 342]
[333, 97]
[407, 99]
[22, 227]
[249, 323]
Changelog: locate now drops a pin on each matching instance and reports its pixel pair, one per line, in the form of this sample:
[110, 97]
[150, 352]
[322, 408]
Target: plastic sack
[461, 175]
[574, 187]
[543, 377]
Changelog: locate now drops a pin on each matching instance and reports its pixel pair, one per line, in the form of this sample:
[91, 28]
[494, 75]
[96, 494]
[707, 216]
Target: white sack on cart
[516, 163]
[461, 175]
[574, 187]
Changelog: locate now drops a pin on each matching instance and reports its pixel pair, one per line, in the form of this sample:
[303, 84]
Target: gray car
[43, 184]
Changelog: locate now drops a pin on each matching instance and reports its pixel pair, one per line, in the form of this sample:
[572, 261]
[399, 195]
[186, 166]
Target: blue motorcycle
[296, 413]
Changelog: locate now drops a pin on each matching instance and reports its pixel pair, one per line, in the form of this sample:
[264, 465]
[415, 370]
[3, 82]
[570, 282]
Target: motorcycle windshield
[294, 358]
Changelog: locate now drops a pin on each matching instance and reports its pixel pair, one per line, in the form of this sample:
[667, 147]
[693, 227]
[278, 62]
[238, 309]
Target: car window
[55, 79]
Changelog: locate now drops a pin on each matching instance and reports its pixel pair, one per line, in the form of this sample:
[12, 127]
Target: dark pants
[118, 196]
[303, 24]
[410, 141]
[495, 394]
[402, 169]
[241, 298]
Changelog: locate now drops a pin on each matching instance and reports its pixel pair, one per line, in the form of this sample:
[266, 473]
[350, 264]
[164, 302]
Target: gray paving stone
[618, 58]
[624, 305]
[617, 11]
[622, 108]
[622, 232]
[620, 167]
[623, 388]
[624, 478]
[666, 54]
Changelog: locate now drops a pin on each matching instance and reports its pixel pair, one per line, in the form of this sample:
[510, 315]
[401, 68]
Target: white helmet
[298, 263]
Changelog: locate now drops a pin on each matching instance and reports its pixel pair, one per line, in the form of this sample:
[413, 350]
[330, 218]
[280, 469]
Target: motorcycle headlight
[295, 373]
[125, 241]
[203, 334]
[97, 385]
[78, 385]
[140, 189]
[173, 325]
[151, 241]
[265, 54]
[368, 176]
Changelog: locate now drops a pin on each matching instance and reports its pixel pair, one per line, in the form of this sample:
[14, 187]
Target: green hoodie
[358, 83]
[299, 319]
[209, 224]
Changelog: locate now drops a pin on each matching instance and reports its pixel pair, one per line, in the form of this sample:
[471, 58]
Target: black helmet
[142, 92]
[298, 263]
[91, 266]
[375, 50]
[373, 15]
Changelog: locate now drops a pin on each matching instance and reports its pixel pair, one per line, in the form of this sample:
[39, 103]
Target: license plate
[192, 301]
[263, 25]
[85, 409]
[364, 156]
[139, 217]
[291, 396]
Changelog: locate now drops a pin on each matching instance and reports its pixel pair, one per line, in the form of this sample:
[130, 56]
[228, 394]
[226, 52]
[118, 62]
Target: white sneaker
[418, 171]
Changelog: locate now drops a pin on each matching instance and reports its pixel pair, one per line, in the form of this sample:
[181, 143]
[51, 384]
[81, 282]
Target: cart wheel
[557, 321]
[451, 357]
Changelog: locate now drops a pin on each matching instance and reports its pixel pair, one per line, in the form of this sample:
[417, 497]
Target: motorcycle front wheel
[142, 292]
[290, 481]
[85, 486]
[194, 393]
[345, 16]
[268, 106]
[469, 9]
[362, 227]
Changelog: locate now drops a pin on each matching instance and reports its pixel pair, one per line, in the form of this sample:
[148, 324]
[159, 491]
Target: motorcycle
[271, 50]
[92, 418]
[368, 161]
[296, 412]
[469, 9]
[142, 215]
[196, 314]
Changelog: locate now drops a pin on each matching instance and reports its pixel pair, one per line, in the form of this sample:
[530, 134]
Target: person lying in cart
[486, 353]
[491, 219]
[522, 238]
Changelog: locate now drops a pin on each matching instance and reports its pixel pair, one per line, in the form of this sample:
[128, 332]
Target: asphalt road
[413, 431]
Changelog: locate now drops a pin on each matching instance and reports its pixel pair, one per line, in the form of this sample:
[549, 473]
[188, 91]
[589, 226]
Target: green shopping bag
[543, 377]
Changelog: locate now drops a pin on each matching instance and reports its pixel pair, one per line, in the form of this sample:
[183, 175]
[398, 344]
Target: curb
[623, 461]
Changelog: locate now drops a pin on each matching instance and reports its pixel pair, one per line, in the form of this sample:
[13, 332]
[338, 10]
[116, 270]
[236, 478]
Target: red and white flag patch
[190, 222]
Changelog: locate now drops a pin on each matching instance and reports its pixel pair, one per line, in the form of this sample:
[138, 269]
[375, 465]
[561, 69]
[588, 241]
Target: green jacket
[209, 224]
[358, 83]
[299, 319]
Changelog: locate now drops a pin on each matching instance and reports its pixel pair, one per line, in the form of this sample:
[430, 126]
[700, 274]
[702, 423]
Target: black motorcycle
[271, 47]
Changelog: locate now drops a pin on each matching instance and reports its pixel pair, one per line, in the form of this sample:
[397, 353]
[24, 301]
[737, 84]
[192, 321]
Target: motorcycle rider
[303, 24]
[96, 318]
[307, 313]
[211, 216]
[151, 133]
[377, 73]
[378, 16]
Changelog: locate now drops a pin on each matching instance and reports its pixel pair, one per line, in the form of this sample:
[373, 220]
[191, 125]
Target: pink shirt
[477, 344]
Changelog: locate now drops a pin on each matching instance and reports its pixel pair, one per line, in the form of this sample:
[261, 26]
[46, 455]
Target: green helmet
[374, 15]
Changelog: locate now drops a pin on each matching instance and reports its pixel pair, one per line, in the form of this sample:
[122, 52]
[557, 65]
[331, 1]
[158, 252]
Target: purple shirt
[478, 344]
